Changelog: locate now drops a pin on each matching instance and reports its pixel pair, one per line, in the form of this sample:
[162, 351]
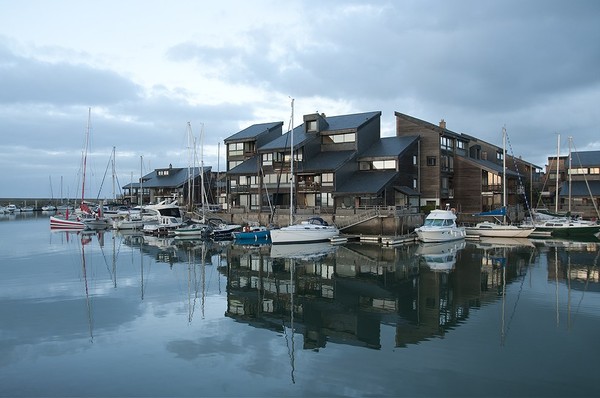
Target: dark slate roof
[388, 147]
[370, 182]
[176, 178]
[326, 161]
[580, 189]
[407, 190]
[495, 167]
[253, 131]
[342, 122]
[247, 167]
[353, 121]
[585, 159]
[282, 143]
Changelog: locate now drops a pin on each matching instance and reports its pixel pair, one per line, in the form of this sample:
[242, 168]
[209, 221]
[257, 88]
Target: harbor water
[104, 314]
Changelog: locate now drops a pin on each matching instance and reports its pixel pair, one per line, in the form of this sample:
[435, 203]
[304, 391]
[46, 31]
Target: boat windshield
[437, 222]
[170, 212]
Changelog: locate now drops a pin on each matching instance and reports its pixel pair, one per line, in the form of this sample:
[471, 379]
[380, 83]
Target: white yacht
[440, 226]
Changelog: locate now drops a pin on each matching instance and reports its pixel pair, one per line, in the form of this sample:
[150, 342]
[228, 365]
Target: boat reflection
[303, 251]
[440, 256]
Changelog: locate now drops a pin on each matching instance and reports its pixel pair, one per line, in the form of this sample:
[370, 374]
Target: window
[499, 156]
[326, 199]
[431, 161]
[446, 143]
[594, 170]
[162, 172]
[384, 165]
[447, 163]
[267, 159]
[414, 183]
[414, 160]
[311, 125]
[461, 145]
[234, 163]
[338, 138]
[579, 171]
[327, 179]
[235, 149]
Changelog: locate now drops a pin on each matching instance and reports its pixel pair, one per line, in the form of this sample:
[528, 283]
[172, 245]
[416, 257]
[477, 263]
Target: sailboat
[565, 226]
[503, 229]
[312, 230]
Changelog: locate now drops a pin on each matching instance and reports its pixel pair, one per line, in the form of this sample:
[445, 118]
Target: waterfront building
[466, 172]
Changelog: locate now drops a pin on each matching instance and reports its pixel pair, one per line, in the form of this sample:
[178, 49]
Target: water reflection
[320, 294]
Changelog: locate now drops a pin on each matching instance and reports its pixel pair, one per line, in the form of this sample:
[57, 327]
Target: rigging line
[104, 177]
[510, 318]
[518, 172]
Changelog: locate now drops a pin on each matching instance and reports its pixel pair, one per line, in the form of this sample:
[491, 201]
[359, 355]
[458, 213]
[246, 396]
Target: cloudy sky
[148, 68]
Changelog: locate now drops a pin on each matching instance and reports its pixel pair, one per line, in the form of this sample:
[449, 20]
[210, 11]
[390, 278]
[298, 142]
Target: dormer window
[311, 126]
[164, 172]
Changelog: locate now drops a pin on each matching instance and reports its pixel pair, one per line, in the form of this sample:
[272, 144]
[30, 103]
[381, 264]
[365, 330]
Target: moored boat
[253, 233]
[315, 229]
[440, 226]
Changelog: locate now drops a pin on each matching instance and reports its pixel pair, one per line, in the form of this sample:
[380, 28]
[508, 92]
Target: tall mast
[569, 172]
[292, 166]
[87, 139]
[141, 180]
[504, 173]
[557, 171]
[114, 174]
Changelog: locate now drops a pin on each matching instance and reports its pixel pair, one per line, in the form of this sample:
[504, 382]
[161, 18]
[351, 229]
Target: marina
[121, 313]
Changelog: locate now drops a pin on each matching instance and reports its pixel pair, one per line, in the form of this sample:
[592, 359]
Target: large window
[326, 199]
[327, 179]
[431, 161]
[267, 159]
[233, 163]
[235, 149]
[338, 138]
[446, 143]
[384, 165]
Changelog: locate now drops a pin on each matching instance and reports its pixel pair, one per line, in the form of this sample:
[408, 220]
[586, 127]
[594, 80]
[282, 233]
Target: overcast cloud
[147, 68]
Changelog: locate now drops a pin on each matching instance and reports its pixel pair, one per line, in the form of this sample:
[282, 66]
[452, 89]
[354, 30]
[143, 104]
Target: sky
[160, 78]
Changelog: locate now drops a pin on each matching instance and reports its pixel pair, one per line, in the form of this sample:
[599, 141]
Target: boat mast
[87, 139]
[504, 173]
[569, 171]
[557, 171]
[202, 191]
[292, 166]
[141, 180]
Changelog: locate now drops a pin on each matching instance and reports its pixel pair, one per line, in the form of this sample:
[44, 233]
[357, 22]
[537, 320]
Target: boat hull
[435, 234]
[61, 223]
[498, 231]
[301, 234]
[252, 236]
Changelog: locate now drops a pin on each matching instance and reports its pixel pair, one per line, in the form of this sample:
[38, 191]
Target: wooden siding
[467, 186]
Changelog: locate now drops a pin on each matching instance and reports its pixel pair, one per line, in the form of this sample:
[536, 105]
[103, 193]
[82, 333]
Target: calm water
[117, 315]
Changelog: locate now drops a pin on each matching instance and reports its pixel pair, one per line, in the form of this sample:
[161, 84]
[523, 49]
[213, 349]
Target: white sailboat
[313, 230]
[503, 229]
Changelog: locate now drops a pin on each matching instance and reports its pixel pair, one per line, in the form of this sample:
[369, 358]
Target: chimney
[443, 124]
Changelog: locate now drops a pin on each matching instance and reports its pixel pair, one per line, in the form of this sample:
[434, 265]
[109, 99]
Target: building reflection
[348, 294]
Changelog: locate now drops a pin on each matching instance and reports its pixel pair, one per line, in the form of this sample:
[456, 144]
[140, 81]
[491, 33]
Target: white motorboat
[440, 226]
[312, 230]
